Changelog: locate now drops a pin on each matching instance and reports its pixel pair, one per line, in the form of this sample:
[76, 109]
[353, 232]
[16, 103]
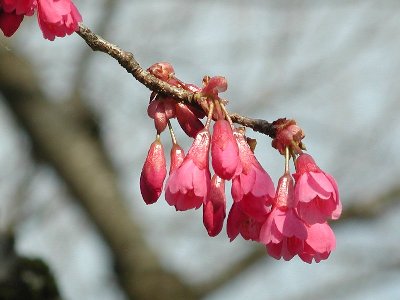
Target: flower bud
[213, 86]
[214, 208]
[224, 150]
[153, 173]
[177, 157]
[189, 122]
[161, 70]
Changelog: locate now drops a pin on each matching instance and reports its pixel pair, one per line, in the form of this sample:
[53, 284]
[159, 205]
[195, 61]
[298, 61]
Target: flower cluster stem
[287, 158]
[171, 131]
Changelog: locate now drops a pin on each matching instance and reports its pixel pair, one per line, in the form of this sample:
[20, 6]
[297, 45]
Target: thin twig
[128, 62]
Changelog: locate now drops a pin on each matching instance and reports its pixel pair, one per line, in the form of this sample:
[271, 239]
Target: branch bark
[82, 163]
[128, 62]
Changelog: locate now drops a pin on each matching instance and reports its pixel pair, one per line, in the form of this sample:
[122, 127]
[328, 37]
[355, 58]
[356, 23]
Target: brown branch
[128, 62]
[81, 162]
[259, 125]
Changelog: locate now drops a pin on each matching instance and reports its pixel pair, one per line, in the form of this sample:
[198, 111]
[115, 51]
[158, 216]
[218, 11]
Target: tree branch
[128, 62]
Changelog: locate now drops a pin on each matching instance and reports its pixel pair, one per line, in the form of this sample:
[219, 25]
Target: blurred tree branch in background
[23, 278]
[78, 156]
[75, 106]
[370, 210]
[83, 165]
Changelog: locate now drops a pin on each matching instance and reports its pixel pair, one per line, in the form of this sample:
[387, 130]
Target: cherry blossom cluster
[289, 220]
[55, 17]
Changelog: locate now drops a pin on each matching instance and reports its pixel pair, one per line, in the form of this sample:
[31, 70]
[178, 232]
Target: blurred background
[75, 133]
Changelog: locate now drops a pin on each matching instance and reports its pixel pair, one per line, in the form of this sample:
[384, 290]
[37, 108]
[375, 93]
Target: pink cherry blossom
[251, 184]
[316, 191]
[153, 173]
[224, 150]
[58, 18]
[214, 209]
[188, 186]
[284, 232]
[319, 244]
[241, 223]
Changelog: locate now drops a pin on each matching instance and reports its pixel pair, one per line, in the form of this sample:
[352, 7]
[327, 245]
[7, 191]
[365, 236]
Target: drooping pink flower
[316, 191]
[189, 122]
[284, 232]
[153, 173]
[214, 208]
[161, 110]
[188, 186]
[58, 18]
[12, 13]
[251, 184]
[319, 244]
[224, 150]
[241, 223]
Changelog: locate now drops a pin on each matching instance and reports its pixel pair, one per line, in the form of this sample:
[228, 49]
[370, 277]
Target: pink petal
[275, 250]
[321, 238]
[190, 124]
[236, 189]
[289, 224]
[247, 181]
[255, 207]
[181, 179]
[188, 201]
[235, 216]
[316, 211]
[263, 185]
[306, 189]
[57, 18]
[201, 182]
[337, 212]
[326, 189]
[269, 233]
